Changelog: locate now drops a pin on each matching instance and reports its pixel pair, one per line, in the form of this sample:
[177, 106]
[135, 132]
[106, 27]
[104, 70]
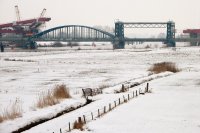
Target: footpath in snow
[43, 115]
[172, 107]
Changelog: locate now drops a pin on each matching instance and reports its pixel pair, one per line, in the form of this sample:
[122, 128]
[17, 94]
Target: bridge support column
[33, 45]
[170, 40]
[30, 44]
[119, 44]
[119, 34]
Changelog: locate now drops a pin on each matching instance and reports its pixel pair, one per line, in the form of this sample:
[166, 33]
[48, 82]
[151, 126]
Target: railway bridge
[80, 33]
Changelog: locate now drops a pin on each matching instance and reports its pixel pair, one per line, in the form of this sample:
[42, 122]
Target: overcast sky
[185, 13]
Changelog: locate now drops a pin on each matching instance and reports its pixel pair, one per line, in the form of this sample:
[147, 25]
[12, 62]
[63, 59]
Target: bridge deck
[99, 40]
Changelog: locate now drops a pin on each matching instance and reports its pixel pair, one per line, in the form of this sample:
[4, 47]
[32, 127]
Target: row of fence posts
[84, 120]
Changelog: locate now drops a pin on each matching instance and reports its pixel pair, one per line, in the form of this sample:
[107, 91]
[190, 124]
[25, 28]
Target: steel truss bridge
[80, 33]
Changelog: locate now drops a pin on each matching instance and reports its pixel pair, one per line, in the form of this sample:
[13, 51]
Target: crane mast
[17, 13]
[42, 13]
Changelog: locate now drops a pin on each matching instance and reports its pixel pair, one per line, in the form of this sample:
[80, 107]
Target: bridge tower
[170, 39]
[119, 35]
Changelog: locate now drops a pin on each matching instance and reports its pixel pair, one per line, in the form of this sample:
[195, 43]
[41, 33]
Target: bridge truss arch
[74, 33]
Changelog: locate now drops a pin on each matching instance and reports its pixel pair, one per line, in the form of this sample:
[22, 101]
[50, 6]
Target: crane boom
[17, 13]
[43, 12]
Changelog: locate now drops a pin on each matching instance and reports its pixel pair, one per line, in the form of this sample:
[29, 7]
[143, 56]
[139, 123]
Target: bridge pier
[170, 39]
[119, 45]
[119, 34]
[171, 43]
[30, 44]
[33, 45]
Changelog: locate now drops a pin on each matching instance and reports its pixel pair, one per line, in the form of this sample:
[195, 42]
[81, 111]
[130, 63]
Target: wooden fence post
[92, 116]
[133, 94]
[79, 120]
[104, 109]
[60, 130]
[147, 87]
[119, 101]
[123, 88]
[98, 113]
[136, 93]
[115, 103]
[110, 107]
[69, 127]
[128, 97]
[84, 119]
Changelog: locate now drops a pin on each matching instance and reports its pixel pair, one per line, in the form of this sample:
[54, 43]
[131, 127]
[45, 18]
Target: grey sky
[185, 13]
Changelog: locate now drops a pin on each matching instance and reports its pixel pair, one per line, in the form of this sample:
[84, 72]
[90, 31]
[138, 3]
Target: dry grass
[147, 46]
[163, 67]
[61, 92]
[78, 125]
[12, 112]
[53, 97]
[46, 99]
[103, 86]
[1, 119]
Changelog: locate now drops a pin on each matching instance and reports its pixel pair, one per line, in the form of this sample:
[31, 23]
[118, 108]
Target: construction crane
[17, 13]
[38, 24]
[24, 27]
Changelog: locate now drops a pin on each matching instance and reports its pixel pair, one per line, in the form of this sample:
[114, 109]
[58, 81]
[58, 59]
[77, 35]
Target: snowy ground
[38, 71]
[173, 107]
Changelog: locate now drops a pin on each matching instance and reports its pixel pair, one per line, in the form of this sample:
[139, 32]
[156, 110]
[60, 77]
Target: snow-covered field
[173, 106]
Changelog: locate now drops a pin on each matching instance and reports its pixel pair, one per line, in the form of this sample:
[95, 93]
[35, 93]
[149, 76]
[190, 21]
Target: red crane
[24, 27]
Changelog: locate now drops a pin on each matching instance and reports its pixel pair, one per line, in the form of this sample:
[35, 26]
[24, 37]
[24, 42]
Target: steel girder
[74, 32]
[169, 40]
[145, 25]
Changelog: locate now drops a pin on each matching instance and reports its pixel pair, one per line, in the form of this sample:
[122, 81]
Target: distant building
[193, 33]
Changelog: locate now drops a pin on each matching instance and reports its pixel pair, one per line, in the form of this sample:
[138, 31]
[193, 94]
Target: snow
[173, 105]
[39, 114]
